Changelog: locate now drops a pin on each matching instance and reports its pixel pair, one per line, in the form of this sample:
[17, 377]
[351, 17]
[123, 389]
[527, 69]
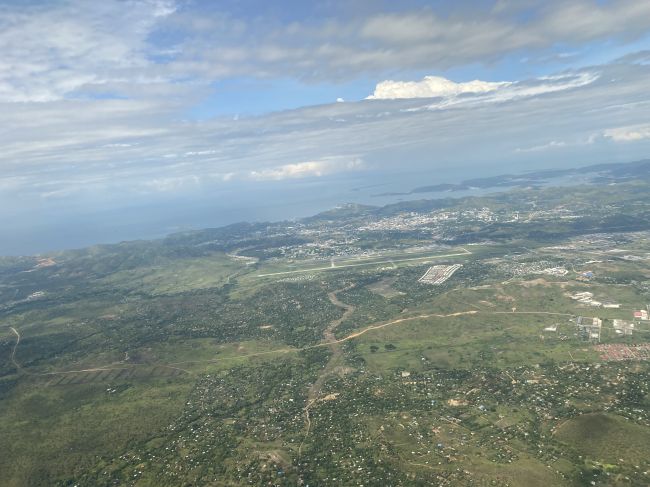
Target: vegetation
[310, 354]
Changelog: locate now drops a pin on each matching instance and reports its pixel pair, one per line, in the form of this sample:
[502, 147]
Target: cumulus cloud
[524, 89]
[306, 169]
[628, 134]
[431, 87]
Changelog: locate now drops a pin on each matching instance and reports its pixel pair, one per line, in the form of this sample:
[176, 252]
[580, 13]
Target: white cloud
[431, 87]
[520, 90]
[628, 134]
[115, 81]
[82, 144]
[202, 152]
[419, 39]
[167, 184]
[50, 51]
[554, 144]
[306, 169]
[220, 45]
[588, 139]
[118, 145]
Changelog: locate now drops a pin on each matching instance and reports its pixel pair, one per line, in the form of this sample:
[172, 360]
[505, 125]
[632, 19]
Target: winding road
[13, 351]
[329, 340]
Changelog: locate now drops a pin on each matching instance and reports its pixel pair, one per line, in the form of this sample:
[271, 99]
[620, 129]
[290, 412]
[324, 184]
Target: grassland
[606, 439]
[177, 276]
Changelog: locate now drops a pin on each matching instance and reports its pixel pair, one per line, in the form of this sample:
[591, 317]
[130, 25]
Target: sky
[129, 118]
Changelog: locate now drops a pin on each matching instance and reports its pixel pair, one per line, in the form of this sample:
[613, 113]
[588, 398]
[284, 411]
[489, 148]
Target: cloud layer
[52, 50]
[144, 48]
[125, 147]
[344, 46]
[96, 99]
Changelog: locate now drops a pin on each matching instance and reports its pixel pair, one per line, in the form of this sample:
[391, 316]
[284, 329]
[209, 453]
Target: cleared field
[606, 438]
[508, 340]
[113, 375]
[178, 276]
[384, 288]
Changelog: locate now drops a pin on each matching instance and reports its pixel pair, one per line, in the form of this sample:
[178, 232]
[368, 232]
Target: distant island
[601, 173]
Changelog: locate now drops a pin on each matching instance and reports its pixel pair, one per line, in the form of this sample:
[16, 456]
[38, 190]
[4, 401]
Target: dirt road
[13, 351]
[336, 360]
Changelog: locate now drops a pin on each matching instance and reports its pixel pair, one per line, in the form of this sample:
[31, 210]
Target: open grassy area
[178, 275]
[606, 438]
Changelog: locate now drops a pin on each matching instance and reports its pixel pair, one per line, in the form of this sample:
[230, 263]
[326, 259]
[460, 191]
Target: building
[589, 328]
[623, 327]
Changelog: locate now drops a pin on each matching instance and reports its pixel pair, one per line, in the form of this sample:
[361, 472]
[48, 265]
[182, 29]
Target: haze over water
[62, 228]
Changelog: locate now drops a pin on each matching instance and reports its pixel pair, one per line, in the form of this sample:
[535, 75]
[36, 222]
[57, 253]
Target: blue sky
[115, 104]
